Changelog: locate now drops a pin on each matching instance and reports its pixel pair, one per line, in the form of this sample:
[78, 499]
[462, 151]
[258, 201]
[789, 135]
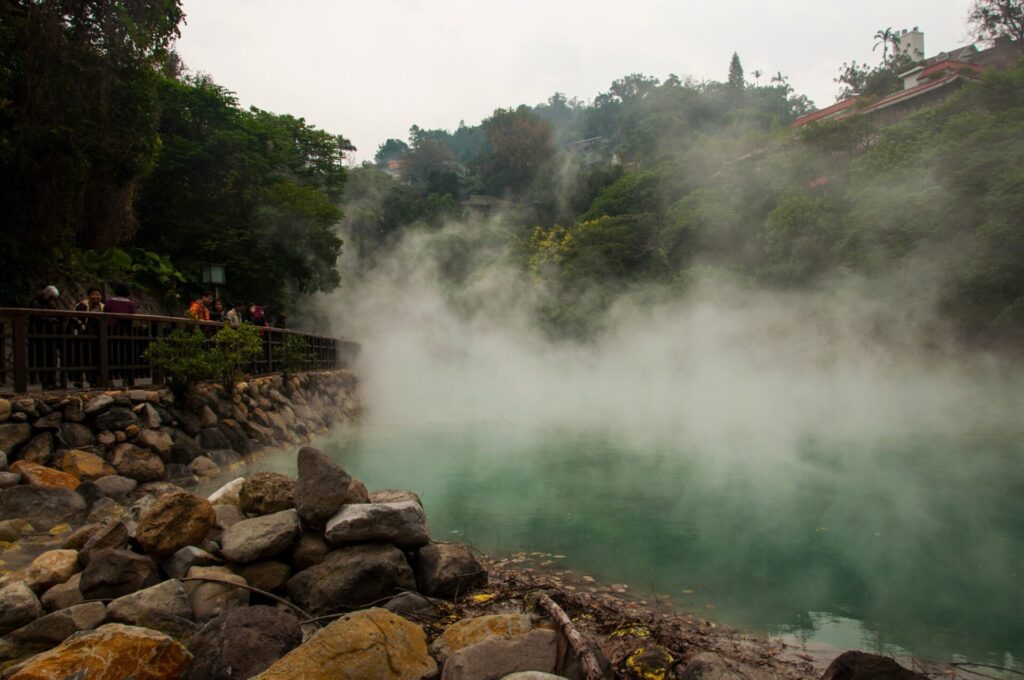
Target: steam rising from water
[722, 368]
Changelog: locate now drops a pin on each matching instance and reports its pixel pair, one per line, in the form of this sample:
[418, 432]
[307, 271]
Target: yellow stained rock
[85, 465]
[372, 643]
[42, 476]
[471, 631]
[111, 652]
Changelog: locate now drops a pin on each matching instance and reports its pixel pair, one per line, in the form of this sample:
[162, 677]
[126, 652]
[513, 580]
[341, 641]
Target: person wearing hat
[42, 343]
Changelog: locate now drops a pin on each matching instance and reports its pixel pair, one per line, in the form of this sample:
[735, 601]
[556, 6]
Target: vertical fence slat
[103, 376]
[20, 329]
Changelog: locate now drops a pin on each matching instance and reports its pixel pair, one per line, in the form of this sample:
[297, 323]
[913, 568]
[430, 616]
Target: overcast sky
[370, 69]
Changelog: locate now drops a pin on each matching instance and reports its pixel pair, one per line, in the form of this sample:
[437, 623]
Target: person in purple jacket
[124, 349]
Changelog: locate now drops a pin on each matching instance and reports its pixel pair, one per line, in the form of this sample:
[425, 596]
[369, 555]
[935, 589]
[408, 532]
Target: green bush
[233, 350]
[294, 354]
[183, 358]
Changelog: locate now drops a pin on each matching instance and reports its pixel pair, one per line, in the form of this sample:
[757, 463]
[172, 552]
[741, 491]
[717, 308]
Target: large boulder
[138, 464]
[13, 435]
[111, 535]
[500, 656]
[112, 573]
[156, 440]
[178, 564]
[214, 590]
[373, 643]
[404, 524]
[266, 493]
[75, 435]
[39, 449]
[54, 628]
[213, 438]
[18, 607]
[98, 404]
[115, 419]
[152, 607]
[111, 652]
[173, 521]
[43, 508]
[260, 537]
[50, 568]
[41, 476]
[243, 642]
[864, 666]
[321, 487]
[51, 421]
[116, 487]
[468, 632]
[85, 465]
[448, 569]
[351, 577]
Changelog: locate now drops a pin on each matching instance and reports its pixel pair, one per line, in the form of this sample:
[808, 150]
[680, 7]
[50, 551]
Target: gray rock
[138, 464]
[75, 436]
[54, 628]
[116, 418]
[112, 535]
[321, 487]
[39, 449]
[268, 575]
[267, 492]
[227, 459]
[9, 479]
[116, 486]
[156, 440]
[414, 606]
[394, 496]
[104, 510]
[112, 573]
[43, 508]
[49, 422]
[496, 657]
[207, 418]
[228, 494]
[309, 550]
[242, 643]
[260, 537]
[212, 597]
[184, 448]
[404, 524]
[162, 600]
[235, 435]
[74, 411]
[351, 577]
[213, 438]
[148, 417]
[18, 607]
[79, 537]
[63, 595]
[862, 666]
[98, 404]
[448, 569]
[204, 468]
[227, 516]
[13, 435]
[178, 564]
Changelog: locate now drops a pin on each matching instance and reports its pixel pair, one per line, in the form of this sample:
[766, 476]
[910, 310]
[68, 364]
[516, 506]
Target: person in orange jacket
[200, 309]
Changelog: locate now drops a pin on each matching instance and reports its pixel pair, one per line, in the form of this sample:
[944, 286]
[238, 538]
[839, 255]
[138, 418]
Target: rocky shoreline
[273, 577]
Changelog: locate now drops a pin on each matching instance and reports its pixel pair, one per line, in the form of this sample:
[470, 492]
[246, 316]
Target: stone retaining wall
[150, 435]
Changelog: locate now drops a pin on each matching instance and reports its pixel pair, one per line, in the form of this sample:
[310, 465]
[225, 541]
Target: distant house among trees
[928, 83]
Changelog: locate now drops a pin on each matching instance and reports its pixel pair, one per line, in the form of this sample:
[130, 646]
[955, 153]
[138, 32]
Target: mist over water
[818, 464]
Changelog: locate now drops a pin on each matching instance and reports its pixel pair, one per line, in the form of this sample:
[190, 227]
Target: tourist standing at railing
[43, 332]
[200, 309]
[217, 311]
[236, 315]
[281, 321]
[124, 350]
[78, 350]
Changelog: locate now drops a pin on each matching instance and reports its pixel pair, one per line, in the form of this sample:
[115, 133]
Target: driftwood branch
[579, 646]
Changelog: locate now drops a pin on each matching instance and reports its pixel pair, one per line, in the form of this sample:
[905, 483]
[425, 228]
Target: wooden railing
[42, 349]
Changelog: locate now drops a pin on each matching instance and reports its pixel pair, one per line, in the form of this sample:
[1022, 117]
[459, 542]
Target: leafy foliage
[188, 357]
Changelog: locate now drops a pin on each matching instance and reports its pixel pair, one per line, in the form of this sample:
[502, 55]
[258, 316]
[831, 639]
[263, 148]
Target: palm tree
[886, 37]
[780, 80]
[757, 73]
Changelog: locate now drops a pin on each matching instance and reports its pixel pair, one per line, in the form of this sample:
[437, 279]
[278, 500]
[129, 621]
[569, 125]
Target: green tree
[392, 149]
[736, 80]
[519, 143]
[884, 38]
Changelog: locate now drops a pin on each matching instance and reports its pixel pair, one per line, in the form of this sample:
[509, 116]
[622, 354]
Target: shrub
[182, 356]
[233, 351]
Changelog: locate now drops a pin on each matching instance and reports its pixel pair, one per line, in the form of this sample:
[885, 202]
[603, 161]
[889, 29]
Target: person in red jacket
[200, 309]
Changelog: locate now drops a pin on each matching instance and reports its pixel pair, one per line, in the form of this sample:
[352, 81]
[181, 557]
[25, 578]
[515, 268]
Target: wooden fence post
[20, 328]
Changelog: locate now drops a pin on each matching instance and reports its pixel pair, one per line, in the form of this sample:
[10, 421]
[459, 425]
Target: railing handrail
[41, 346]
[71, 313]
